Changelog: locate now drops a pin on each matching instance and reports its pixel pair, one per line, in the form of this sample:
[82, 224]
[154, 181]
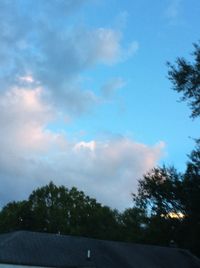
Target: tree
[171, 201]
[159, 192]
[191, 201]
[61, 210]
[185, 77]
[16, 216]
[191, 183]
[133, 225]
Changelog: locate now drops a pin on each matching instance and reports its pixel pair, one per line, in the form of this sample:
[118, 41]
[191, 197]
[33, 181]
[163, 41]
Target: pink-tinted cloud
[32, 154]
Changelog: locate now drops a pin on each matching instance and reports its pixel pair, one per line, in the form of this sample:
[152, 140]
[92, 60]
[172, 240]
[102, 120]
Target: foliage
[133, 224]
[171, 201]
[60, 210]
[15, 216]
[159, 191]
[69, 211]
[185, 77]
[191, 201]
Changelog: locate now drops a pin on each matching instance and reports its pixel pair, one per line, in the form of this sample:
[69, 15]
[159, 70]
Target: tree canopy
[171, 199]
[185, 76]
[171, 202]
[59, 210]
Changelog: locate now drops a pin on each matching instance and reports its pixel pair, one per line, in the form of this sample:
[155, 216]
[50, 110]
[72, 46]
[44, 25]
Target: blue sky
[85, 99]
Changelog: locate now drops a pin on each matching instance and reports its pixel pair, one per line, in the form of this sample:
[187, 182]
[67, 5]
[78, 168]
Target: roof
[53, 250]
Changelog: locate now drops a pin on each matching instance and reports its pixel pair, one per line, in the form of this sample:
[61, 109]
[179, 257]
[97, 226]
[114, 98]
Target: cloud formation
[173, 10]
[42, 57]
[32, 155]
[109, 88]
[45, 45]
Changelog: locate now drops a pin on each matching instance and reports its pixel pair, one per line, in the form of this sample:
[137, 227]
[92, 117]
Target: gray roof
[52, 250]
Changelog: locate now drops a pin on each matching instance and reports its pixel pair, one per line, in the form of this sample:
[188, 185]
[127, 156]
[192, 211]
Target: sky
[85, 100]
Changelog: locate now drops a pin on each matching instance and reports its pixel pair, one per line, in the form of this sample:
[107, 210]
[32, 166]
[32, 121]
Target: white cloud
[130, 50]
[23, 119]
[28, 79]
[115, 166]
[109, 88]
[121, 19]
[91, 145]
[32, 155]
[41, 63]
[173, 9]
[34, 47]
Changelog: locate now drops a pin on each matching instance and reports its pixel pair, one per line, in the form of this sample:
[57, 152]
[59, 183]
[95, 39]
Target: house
[23, 249]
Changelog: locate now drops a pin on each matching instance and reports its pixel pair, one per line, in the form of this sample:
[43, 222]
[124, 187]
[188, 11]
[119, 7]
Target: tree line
[166, 208]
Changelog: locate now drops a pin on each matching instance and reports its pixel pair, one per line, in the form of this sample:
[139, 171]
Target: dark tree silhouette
[185, 76]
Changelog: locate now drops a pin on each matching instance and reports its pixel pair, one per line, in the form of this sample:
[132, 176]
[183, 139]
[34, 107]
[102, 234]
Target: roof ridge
[11, 235]
[190, 254]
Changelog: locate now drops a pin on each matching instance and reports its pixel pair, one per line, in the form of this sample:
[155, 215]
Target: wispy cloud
[173, 10]
[109, 88]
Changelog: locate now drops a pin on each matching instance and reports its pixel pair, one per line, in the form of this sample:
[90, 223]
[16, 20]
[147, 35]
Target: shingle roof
[52, 250]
